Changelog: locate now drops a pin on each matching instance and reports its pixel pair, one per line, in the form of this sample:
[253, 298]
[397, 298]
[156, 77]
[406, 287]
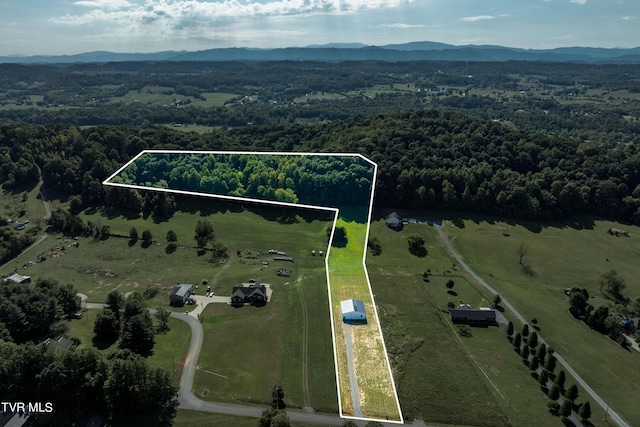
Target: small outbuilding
[180, 294]
[17, 278]
[353, 311]
[465, 314]
[394, 221]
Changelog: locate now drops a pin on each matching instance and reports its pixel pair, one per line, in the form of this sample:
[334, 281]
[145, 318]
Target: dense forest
[427, 159]
[311, 180]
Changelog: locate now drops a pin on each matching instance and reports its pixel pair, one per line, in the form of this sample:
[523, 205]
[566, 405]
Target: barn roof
[352, 306]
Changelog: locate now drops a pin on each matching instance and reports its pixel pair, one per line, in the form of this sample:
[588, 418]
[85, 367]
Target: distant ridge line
[339, 52]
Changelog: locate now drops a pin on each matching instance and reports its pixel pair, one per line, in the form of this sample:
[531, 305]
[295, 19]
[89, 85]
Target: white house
[353, 310]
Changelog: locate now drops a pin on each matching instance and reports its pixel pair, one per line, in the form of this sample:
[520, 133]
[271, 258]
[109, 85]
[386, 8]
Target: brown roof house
[465, 314]
[250, 293]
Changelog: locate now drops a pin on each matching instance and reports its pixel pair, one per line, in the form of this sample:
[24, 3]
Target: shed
[180, 294]
[353, 310]
[466, 314]
[394, 221]
[17, 278]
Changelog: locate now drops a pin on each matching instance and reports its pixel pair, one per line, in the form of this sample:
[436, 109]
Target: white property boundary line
[335, 211]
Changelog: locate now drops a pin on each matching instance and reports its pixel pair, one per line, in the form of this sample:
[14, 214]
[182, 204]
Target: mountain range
[414, 51]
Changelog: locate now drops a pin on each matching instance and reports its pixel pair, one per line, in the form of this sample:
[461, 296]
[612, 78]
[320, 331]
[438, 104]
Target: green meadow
[561, 255]
[454, 374]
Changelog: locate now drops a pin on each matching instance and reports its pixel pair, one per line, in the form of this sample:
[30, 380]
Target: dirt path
[305, 350]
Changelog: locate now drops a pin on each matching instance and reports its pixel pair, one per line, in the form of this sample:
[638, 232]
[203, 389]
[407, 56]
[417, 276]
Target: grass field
[561, 255]
[441, 376]
[348, 281]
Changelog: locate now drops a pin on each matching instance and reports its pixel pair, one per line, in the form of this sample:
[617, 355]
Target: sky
[55, 27]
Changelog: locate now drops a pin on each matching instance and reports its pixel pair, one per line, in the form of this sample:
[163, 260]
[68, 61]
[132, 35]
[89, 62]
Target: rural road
[610, 412]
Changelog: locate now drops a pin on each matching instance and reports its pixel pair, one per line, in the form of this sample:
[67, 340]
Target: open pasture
[561, 255]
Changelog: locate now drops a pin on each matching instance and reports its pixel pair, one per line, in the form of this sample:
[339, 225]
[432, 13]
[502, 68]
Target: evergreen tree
[585, 411]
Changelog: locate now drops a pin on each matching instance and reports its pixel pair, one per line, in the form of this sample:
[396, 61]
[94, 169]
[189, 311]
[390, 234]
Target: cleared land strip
[347, 279]
[611, 413]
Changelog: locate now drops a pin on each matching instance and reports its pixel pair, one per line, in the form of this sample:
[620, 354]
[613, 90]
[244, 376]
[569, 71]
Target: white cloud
[628, 18]
[579, 1]
[104, 4]
[478, 18]
[400, 25]
[181, 11]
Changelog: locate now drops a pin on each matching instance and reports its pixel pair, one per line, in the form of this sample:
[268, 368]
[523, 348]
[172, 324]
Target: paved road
[611, 414]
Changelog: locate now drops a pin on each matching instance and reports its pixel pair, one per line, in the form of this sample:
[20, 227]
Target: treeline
[427, 160]
[83, 383]
[35, 312]
[316, 180]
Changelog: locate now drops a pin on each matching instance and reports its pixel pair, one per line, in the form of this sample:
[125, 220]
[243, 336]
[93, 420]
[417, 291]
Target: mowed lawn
[348, 281]
[287, 342]
[562, 255]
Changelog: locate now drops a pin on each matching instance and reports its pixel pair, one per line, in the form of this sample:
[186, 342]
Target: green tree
[517, 341]
[510, 328]
[554, 407]
[497, 299]
[281, 419]
[532, 341]
[107, 325]
[138, 334]
[541, 352]
[572, 392]
[162, 314]
[533, 364]
[560, 379]
[204, 233]
[75, 205]
[550, 364]
[566, 408]
[525, 330]
[133, 233]
[524, 352]
[416, 245]
[613, 283]
[147, 237]
[450, 284]
[172, 237]
[585, 411]
[277, 396]
[543, 378]
[115, 302]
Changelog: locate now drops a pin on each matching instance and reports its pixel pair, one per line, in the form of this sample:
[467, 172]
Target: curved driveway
[610, 412]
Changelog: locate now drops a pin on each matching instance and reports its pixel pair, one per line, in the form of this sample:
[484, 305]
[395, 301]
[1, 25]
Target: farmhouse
[248, 293]
[180, 294]
[394, 221]
[353, 311]
[466, 314]
[18, 278]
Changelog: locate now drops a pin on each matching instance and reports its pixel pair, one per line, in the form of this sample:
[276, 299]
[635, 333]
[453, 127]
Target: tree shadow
[171, 248]
[132, 242]
[145, 244]
[454, 293]
[102, 343]
[567, 422]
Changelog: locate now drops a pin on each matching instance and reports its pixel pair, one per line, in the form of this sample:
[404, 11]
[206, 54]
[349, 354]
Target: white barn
[353, 310]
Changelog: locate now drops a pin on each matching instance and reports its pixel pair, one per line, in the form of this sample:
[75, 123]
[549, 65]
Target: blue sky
[55, 27]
